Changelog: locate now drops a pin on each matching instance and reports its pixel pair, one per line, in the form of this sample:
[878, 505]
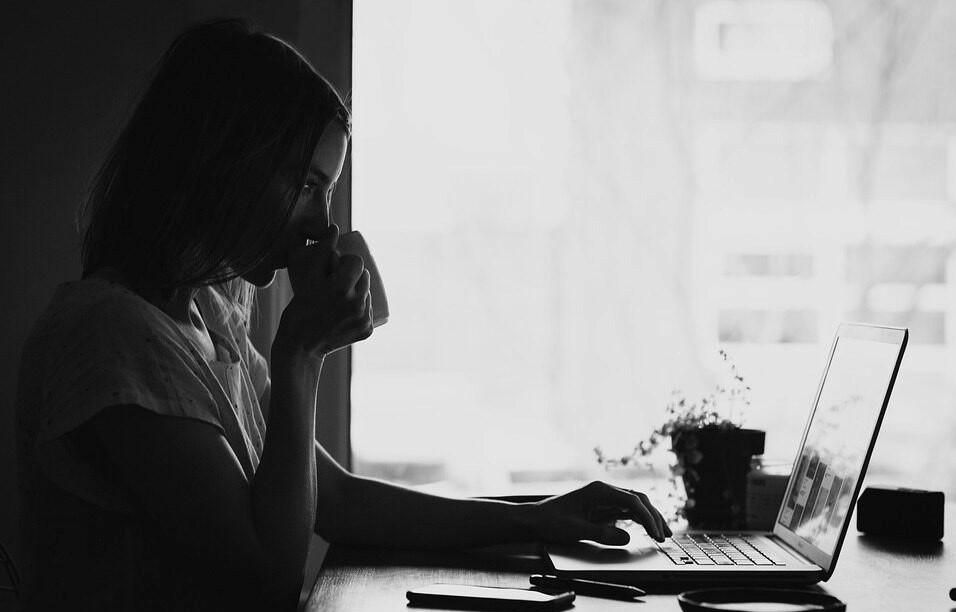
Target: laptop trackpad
[640, 553]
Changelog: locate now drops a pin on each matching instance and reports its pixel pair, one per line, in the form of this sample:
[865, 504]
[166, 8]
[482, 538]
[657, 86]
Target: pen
[588, 587]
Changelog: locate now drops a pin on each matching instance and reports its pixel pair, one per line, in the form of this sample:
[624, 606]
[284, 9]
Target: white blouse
[97, 345]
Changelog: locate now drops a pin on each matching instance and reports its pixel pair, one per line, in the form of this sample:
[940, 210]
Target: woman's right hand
[331, 307]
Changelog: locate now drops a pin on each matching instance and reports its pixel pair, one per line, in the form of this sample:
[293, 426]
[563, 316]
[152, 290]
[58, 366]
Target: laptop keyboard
[718, 549]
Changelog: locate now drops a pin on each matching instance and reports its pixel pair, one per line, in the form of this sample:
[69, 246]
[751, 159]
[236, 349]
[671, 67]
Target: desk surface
[871, 574]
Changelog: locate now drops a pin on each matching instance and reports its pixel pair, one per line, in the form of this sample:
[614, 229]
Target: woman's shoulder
[97, 306]
[99, 344]
[95, 320]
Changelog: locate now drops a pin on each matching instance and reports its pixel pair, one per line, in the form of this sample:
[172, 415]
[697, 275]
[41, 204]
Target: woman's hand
[332, 307]
[590, 513]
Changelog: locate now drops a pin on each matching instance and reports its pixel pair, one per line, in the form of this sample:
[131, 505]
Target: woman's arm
[364, 511]
[249, 538]
[368, 512]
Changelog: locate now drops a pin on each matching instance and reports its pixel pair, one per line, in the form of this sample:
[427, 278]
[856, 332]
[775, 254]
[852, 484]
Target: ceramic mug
[354, 243]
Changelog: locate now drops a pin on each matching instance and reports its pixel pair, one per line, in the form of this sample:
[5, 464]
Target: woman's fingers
[349, 272]
[356, 325]
[591, 513]
[333, 307]
[658, 518]
[643, 514]
[610, 514]
[665, 530]
[370, 319]
[640, 509]
[364, 285]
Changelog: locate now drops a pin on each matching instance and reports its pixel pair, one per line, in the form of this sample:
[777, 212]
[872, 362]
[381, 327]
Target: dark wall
[69, 73]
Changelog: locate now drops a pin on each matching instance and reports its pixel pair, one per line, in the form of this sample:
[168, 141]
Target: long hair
[175, 205]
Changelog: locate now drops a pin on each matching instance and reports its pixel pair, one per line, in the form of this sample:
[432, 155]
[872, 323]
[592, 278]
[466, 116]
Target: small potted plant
[713, 452]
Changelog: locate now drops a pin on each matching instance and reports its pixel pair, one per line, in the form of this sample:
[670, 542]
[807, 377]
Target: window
[573, 212]
[759, 163]
[911, 164]
[773, 326]
[912, 264]
[768, 265]
[762, 40]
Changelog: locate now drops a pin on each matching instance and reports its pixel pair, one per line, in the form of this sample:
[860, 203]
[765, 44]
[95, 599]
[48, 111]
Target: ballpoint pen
[588, 587]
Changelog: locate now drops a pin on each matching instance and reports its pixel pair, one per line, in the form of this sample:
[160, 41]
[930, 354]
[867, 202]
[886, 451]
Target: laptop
[815, 511]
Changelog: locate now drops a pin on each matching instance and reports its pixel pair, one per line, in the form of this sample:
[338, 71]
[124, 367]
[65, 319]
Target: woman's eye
[309, 187]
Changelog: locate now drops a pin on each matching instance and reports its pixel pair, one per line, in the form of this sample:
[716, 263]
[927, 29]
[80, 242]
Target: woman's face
[310, 215]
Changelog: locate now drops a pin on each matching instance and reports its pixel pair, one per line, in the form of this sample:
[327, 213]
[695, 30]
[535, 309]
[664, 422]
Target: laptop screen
[838, 439]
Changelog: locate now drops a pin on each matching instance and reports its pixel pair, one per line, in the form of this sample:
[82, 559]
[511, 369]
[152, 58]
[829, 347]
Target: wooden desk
[872, 574]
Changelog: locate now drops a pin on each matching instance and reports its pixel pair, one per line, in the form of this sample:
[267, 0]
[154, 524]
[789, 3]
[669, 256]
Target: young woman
[163, 465]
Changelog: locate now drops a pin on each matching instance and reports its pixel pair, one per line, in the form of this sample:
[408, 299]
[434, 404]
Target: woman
[163, 464]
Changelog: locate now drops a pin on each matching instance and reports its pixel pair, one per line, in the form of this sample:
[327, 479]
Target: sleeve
[122, 354]
[118, 353]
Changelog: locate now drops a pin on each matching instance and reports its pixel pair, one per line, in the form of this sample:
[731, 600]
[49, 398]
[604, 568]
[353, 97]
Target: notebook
[814, 515]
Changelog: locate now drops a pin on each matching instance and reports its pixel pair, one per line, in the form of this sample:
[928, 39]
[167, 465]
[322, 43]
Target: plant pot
[714, 464]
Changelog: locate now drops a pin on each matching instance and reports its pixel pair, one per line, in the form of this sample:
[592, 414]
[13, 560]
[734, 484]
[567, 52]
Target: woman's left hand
[590, 513]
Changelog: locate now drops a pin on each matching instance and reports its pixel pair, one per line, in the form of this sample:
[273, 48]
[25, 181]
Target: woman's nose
[316, 221]
[319, 217]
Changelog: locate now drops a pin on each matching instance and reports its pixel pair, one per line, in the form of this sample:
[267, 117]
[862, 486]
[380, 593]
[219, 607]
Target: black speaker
[905, 513]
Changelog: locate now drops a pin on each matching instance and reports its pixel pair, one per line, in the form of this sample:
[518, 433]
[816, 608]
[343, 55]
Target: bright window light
[575, 205]
[763, 40]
